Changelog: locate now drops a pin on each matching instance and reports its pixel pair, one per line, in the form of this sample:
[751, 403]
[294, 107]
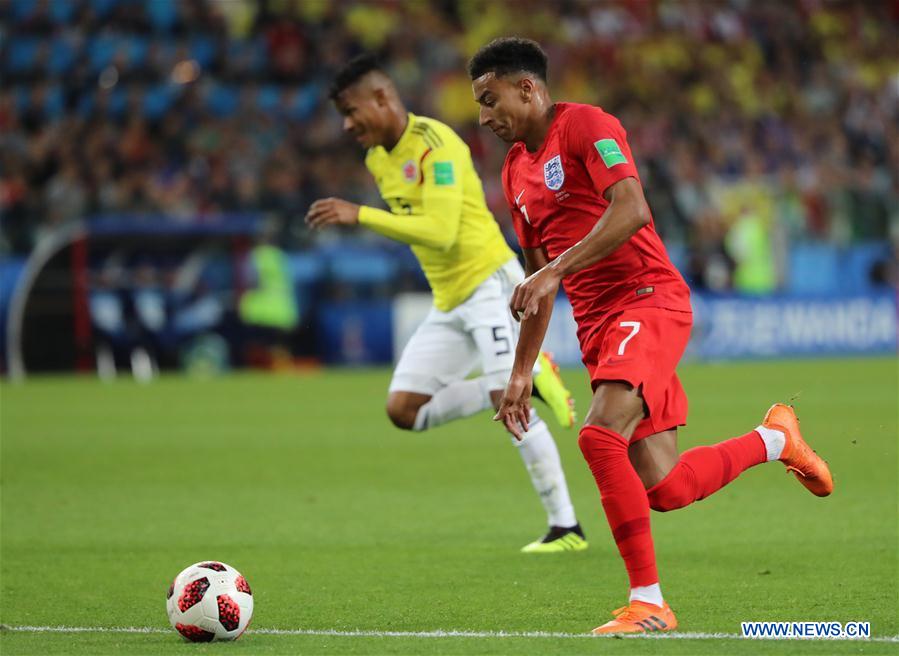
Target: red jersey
[556, 197]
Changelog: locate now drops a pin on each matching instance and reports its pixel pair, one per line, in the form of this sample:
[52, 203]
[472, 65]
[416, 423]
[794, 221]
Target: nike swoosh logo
[518, 197]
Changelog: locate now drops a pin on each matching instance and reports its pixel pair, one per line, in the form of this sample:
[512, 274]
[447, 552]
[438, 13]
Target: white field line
[681, 635]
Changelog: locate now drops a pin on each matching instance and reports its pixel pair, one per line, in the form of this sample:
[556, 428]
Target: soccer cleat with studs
[639, 617]
[800, 459]
[549, 388]
[559, 539]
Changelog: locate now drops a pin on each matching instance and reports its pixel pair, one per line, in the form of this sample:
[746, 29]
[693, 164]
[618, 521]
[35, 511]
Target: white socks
[538, 448]
[457, 400]
[774, 441]
[651, 594]
[541, 459]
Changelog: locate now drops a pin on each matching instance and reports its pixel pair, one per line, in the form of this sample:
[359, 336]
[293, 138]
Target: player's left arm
[626, 214]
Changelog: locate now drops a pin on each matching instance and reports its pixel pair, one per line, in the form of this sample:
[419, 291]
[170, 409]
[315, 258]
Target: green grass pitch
[341, 522]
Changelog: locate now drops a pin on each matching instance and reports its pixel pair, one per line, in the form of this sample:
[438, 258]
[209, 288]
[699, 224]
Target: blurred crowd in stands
[757, 125]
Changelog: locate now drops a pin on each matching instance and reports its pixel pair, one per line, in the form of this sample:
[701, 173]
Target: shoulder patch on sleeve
[610, 152]
[443, 173]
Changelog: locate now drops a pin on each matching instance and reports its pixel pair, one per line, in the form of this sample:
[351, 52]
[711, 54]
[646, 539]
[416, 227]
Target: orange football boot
[639, 617]
[797, 455]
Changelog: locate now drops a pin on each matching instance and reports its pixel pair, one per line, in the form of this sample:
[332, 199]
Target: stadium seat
[118, 101]
[158, 100]
[20, 10]
[202, 48]
[304, 102]
[222, 100]
[162, 14]
[269, 99]
[137, 49]
[253, 52]
[21, 53]
[103, 7]
[62, 56]
[54, 102]
[102, 50]
[62, 11]
[85, 105]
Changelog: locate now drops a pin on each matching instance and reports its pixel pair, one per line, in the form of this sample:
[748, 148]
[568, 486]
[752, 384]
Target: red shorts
[642, 347]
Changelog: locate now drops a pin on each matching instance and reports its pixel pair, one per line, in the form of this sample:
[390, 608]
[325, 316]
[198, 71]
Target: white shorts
[477, 336]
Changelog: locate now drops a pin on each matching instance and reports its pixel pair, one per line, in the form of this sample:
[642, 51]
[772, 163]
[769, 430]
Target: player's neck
[398, 127]
[540, 127]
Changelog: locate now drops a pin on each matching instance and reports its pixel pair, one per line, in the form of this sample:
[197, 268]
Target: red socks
[706, 469]
[623, 499]
[699, 472]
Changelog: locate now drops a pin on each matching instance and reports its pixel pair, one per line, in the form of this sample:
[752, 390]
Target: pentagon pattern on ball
[194, 633]
[218, 567]
[229, 612]
[193, 593]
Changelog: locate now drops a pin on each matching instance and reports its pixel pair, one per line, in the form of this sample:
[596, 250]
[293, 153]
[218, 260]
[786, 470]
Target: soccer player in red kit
[582, 220]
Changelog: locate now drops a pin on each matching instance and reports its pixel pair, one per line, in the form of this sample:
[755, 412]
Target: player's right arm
[441, 204]
[515, 406]
[533, 329]
[437, 223]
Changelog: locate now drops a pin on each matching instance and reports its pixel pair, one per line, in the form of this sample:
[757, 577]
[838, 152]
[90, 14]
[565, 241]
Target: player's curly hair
[353, 71]
[509, 54]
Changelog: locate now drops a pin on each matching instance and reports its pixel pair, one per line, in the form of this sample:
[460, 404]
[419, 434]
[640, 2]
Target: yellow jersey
[437, 206]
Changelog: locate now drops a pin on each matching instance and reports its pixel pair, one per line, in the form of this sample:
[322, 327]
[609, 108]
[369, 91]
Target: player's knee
[664, 498]
[401, 414]
[603, 443]
[612, 420]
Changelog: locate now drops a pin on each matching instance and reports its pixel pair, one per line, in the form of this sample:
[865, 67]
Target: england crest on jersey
[553, 173]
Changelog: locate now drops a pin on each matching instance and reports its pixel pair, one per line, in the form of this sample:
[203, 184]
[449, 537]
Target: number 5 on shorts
[635, 328]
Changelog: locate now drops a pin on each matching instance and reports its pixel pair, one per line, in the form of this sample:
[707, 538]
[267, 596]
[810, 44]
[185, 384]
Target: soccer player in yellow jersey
[425, 175]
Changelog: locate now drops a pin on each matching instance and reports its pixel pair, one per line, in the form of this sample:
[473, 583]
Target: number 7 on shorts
[635, 328]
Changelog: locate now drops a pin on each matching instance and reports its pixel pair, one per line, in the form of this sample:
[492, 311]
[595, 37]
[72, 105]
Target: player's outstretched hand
[330, 211]
[525, 301]
[515, 406]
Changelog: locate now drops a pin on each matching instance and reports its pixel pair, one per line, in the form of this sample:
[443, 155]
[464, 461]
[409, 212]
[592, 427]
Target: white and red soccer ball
[210, 601]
